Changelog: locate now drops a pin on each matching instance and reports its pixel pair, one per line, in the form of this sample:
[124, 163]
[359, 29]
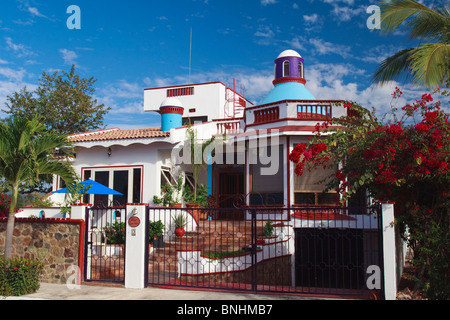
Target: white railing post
[389, 252]
[135, 246]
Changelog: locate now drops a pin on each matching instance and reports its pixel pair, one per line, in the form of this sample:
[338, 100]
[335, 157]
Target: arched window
[286, 69]
[300, 70]
[275, 71]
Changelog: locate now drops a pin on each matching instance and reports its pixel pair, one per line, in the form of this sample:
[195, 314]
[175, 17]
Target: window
[308, 188]
[137, 173]
[120, 179]
[189, 180]
[187, 91]
[286, 69]
[101, 177]
[300, 70]
[167, 177]
[126, 180]
[267, 189]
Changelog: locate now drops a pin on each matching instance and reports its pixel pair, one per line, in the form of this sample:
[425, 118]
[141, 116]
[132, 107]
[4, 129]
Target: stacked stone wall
[54, 242]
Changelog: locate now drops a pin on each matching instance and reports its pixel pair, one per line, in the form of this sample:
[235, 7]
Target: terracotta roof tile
[118, 134]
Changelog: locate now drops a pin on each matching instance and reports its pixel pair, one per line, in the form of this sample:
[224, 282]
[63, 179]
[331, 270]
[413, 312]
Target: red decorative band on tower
[288, 79]
[169, 109]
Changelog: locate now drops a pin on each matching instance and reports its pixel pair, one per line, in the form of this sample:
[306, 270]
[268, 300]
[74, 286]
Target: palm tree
[26, 153]
[428, 64]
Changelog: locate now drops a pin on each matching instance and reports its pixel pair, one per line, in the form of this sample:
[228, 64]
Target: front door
[230, 195]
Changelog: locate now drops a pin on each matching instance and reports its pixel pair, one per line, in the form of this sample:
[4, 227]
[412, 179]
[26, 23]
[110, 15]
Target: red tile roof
[118, 134]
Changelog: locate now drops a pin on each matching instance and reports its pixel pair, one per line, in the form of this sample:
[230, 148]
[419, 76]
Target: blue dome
[288, 91]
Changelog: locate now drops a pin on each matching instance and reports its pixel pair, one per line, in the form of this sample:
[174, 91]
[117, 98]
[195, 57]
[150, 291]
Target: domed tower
[289, 82]
[171, 111]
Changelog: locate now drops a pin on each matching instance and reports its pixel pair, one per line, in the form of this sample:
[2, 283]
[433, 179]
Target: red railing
[314, 112]
[266, 115]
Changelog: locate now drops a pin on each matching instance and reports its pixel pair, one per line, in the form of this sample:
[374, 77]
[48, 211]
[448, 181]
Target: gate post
[135, 242]
[78, 211]
[389, 252]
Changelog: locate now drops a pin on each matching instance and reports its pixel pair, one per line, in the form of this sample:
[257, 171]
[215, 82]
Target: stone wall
[54, 242]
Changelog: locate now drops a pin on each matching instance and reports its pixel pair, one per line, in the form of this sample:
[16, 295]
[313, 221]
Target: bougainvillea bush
[5, 202]
[404, 160]
[19, 276]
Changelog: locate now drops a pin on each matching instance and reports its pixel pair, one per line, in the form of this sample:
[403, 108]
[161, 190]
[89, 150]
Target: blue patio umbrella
[93, 187]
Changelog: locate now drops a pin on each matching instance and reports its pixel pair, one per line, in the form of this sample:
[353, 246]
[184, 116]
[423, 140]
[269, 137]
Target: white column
[78, 211]
[135, 246]
[389, 268]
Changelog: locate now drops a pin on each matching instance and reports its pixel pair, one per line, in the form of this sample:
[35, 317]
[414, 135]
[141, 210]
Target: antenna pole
[190, 57]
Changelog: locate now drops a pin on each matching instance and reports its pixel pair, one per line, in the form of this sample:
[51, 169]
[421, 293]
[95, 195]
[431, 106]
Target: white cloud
[310, 19]
[20, 50]
[68, 56]
[312, 22]
[346, 13]
[334, 82]
[323, 47]
[13, 75]
[264, 32]
[35, 12]
[267, 2]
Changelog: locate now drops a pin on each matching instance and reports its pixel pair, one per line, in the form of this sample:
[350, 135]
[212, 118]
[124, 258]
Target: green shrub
[19, 276]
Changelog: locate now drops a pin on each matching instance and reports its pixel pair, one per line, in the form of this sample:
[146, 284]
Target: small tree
[26, 152]
[63, 100]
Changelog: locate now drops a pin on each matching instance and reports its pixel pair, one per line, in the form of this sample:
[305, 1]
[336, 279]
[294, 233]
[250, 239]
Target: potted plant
[195, 145]
[195, 201]
[155, 234]
[73, 195]
[170, 194]
[268, 229]
[180, 223]
[115, 238]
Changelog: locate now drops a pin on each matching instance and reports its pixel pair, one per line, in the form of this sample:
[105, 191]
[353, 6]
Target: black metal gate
[105, 244]
[305, 250]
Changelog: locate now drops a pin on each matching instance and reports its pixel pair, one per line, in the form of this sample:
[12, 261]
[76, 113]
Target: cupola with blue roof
[289, 82]
[171, 111]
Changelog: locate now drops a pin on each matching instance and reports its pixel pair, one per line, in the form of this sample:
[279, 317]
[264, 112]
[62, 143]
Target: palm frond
[423, 22]
[25, 151]
[394, 67]
[430, 64]
[433, 26]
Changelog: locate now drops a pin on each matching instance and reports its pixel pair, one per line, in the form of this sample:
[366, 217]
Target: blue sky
[132, 45]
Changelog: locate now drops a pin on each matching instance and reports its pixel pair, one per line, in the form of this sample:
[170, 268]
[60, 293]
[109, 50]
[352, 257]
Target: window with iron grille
[186, 91]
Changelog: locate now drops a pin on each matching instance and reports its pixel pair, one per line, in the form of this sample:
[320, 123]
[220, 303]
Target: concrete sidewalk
[49, 291]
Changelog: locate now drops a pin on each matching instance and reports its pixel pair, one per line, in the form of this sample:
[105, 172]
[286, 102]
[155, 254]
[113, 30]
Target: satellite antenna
[190, 56]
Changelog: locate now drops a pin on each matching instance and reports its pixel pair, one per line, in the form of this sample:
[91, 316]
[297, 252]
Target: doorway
[230, 195]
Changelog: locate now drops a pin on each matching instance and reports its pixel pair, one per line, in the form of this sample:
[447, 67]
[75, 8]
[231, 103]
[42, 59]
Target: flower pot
[179, 232]
[158, 242]
[150, 250]
[195, 211]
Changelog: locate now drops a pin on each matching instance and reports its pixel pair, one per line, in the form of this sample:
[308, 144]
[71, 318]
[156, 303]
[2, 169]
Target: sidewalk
[49, 291]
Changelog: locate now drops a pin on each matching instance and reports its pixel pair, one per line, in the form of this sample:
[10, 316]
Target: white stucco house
[137, 162]
[247, 166]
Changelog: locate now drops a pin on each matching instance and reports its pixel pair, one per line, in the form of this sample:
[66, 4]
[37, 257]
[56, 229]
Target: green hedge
[19, 276]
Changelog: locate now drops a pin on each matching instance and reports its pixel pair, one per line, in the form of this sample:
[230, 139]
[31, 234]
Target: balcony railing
[314, 112]
[228, 126]
[268, 114]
